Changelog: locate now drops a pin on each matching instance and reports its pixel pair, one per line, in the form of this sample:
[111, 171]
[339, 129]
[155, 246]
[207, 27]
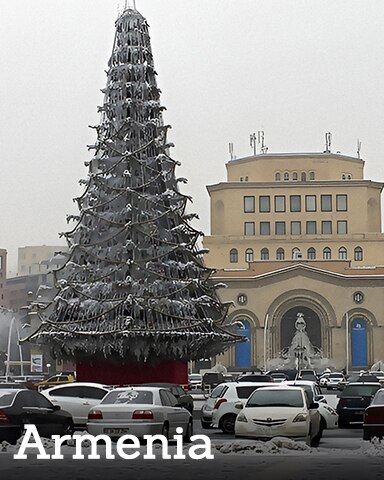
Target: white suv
[219, 410]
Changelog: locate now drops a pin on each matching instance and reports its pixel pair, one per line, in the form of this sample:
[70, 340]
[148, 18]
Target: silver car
[139, 411]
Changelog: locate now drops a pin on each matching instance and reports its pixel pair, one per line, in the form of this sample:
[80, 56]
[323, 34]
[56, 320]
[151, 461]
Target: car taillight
[95, 415]
[219, 402]
[142, 415]
[3, 417]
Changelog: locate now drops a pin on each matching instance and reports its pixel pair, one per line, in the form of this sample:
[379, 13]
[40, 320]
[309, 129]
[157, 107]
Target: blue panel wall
[243, 350]
[359, 343]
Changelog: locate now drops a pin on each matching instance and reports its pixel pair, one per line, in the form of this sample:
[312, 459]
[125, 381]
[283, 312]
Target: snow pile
[275, 445]
[6, 447]
[376, 448]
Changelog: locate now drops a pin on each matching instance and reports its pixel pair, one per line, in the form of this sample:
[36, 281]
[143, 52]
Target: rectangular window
[249, 228]
[295, 228]
[310, 203]
[264, 204]
[279, 203]
[295, 203]
[249, 204]
[326, 227]
[342, 227]
[311, 228]
[326, 203]
[341, 203]
[265, 228]
[279, 228]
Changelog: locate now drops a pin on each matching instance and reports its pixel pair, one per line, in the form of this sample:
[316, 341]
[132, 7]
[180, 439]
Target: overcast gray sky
[293, 68]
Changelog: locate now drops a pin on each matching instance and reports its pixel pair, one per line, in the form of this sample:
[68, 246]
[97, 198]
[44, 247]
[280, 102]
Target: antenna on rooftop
[252, 142]
[358, 148]
[260, 141]
[328, 141]
[230, 145]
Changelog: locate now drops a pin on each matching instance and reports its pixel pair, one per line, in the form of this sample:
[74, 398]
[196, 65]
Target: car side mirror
[320, 398]
[56, 408]
[313, 405]
[239, 405]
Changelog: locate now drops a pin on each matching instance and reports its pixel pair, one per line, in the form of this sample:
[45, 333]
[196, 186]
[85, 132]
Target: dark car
[373, 421]
[183, 398]
[255, 377]
[353, 401]
[21, 407]
[212, 379]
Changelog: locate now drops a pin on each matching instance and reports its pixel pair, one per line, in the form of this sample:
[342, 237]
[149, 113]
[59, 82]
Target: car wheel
[315, 441]
[227, 423]
[323, 424]
[165, 431]
[189, 432]
[206, 425]
[366, 435]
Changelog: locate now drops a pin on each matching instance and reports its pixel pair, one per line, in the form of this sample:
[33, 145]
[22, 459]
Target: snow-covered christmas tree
[134, 289]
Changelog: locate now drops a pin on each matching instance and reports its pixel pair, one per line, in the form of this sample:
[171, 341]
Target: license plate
[115, 431]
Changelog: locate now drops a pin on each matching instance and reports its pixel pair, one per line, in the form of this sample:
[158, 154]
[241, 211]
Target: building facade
[300, 233]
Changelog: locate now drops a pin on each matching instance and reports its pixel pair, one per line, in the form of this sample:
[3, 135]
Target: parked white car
[225, 392]
[279, 411]
[334, 379]
[224, 411]
[77, 398]
[328, 415]
[139, 411]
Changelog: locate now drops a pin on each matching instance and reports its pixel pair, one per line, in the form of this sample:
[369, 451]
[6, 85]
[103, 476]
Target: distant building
[300, 233]
[36, 259]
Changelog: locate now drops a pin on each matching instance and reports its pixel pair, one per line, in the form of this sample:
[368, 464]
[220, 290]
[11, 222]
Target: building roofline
[262, 156]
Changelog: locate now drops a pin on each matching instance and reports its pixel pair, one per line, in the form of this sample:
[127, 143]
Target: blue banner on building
[243, 349]
[359, 343]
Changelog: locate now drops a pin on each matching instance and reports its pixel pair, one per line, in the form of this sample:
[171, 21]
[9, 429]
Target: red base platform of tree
[112, 372]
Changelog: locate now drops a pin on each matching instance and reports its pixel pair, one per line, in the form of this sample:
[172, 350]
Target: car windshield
[144, 397]
[245, 392]
[275, 398]
[6, 398]
[360, 390]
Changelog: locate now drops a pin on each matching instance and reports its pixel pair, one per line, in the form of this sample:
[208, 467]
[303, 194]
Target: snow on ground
[275, 446]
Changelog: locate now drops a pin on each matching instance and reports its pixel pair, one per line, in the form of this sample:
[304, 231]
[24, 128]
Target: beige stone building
[300, 233]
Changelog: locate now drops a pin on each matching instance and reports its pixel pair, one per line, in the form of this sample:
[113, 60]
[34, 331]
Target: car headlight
[241, 417]
[300, 417]
[207, 408]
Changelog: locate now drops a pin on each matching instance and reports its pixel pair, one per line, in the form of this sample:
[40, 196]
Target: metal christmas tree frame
[134, 285]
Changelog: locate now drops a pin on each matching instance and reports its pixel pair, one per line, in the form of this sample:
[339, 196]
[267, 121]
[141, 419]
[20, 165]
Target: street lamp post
[265, 342]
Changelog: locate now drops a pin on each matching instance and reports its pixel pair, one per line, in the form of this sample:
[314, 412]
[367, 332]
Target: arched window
[286, 176]
[358, 254]
[265, 254]
[327, 255]
[280, 254]
[249, 255]
[303, 177]
[342, 253]
[233, 255]
[294, 176]
[277, 177]
[311, 254]
[296, 254]
[311, 175]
